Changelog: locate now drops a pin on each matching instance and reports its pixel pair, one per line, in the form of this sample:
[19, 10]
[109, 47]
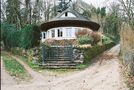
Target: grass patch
[14, 68]
[29, 62]
[82, 66]
[37, 68]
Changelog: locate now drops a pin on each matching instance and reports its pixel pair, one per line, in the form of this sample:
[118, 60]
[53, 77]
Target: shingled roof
[78, 21]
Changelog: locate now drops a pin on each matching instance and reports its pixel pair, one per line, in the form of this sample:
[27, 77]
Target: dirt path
[102, 75]
[35, 75]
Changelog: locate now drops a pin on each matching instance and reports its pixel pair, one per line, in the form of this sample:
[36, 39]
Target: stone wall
[78, 56]
[33, 54]
[86, 54]
[36, 55]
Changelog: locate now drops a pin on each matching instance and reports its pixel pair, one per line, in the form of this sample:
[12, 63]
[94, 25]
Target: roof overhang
[70, 23]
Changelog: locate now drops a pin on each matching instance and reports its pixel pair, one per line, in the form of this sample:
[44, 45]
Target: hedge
[26, 38]
[90, 53]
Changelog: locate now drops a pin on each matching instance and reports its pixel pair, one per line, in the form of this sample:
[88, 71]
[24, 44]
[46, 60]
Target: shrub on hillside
[85, 40]
[90, 53]
[96, 36]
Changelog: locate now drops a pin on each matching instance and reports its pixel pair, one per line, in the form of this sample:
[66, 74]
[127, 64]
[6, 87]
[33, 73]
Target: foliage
[81, 66]
[98, 11]
[106, 40]
[85, 40]
[13, 67]
[62, 42]
[103, 12]
[94, 51]
[132, 24]
[17, 51]
[87, 14]
[9, 35]
[96, 37]
[112, 26]
[28, 58]
[25, 38]
[13, 12]
[30, 36]
[29, 62]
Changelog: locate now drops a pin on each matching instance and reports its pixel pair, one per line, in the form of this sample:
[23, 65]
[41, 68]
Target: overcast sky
[99, 3]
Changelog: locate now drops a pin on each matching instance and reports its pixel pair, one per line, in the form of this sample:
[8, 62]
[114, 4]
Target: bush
[106, 40]
[30, 36]
[8, 35]
[26, 38]
[94, 51]
[112, 26]
[85, 40]
[17, 51]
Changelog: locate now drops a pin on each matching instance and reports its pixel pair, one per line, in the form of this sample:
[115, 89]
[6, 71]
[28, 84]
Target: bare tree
[3, 10]
[28, 12]
[128, 8]
[13, 12]
[46, 7]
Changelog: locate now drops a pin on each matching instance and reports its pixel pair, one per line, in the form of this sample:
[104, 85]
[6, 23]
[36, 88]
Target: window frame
[52, 33]
[60, 32]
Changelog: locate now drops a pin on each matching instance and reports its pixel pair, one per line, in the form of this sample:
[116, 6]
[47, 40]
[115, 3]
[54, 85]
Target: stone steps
[62, 62]
[58, 65]
[59, 58]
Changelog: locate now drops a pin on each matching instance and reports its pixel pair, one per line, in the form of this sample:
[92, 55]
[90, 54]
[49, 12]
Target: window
[68, 32]
[53, 33]
[44, 35]
[66, 14]
[48, 34]
[60, 33]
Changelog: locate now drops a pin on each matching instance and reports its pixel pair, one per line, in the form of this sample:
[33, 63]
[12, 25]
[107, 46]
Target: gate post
[43, 54]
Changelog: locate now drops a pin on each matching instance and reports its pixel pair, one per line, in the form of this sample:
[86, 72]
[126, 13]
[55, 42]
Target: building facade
[65, 25]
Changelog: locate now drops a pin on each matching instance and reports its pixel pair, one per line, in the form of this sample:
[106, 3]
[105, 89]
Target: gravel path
[101, 75]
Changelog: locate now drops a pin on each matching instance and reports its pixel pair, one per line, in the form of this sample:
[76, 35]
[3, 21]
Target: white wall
[68, 15]
[68, 33]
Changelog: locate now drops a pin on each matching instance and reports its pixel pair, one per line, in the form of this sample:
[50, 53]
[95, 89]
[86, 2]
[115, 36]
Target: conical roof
[77, 21]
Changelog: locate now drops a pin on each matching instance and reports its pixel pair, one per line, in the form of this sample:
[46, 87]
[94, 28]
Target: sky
[99, 3]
